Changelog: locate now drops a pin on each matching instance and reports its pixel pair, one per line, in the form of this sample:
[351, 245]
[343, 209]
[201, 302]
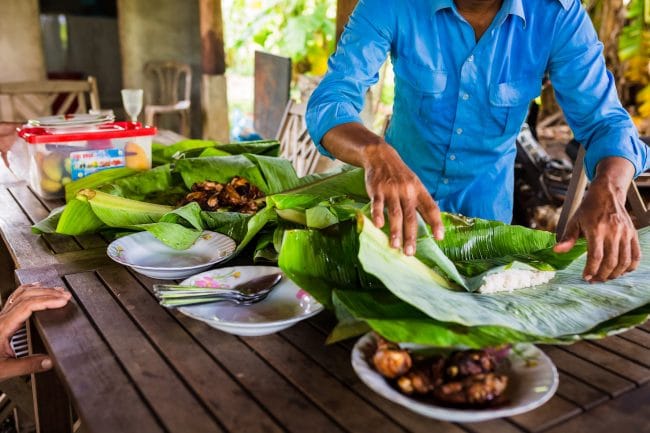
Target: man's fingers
[23, 308]
[410, 225]
[624, 258]
[610, 257]
[395, 219]
[19, 367]
[378, 210]
[635, 250]
[431, 214]
[570, 237]
[35, 292]
[594, 256]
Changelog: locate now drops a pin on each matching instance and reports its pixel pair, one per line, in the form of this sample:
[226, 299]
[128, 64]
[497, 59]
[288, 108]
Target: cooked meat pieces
[477, 389]
[468, 362]
[390, 360]
[238, 195]
[463, 378]
[424, 377]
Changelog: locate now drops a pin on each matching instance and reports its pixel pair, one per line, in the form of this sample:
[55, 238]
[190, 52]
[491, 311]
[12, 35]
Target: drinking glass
[132, 101]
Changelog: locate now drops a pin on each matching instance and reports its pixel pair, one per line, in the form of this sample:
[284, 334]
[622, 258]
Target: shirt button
[465, 96]
[445, 181]
[470, 58]
[452, 157]
[459, 131]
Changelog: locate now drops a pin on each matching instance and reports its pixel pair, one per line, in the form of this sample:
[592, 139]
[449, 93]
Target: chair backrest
[576, 192]
[24, 100]
[297, 146]
[272, 86]
[172, 82]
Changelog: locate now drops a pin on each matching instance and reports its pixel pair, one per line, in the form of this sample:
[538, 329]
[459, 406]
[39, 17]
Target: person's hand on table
[392, 185]
[612, 241]
[19, 306]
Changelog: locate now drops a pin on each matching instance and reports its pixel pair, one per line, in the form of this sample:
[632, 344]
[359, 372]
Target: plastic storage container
[58, 156]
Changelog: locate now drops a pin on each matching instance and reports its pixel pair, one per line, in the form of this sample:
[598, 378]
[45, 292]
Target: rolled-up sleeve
[352, 69]
[586, 91]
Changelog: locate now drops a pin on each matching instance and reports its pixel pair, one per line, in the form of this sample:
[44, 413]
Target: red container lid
[107, 131]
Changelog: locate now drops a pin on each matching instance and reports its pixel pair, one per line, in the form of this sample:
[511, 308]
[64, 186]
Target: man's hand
[19, 306]
[389, 182]
[392, 185]
[612, 240]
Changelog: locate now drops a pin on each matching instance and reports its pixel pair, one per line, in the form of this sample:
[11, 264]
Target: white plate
[145, 254]
[71, 120]
[286, 305]
[532, 381]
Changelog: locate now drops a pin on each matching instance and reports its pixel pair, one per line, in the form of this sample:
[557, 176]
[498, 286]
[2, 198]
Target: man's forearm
[355, 144]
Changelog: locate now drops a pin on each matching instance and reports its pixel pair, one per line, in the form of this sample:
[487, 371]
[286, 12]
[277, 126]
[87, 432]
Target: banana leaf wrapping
[369, 285]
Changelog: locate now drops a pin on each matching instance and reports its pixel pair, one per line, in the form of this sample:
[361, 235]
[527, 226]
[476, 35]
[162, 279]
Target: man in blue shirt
[465, 72]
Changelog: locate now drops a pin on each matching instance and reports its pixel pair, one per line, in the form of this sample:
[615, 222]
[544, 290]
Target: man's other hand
[612, 241]
[19, 306]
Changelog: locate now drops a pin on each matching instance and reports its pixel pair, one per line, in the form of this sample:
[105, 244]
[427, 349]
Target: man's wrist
[614, 174]
[371, 152]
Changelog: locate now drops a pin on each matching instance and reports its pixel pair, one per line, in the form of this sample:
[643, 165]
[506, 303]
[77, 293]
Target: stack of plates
[67, 122]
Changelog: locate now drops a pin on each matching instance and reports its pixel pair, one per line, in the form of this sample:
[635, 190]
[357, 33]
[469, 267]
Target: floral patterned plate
[145, 254]
[532, 381]
[286, 305]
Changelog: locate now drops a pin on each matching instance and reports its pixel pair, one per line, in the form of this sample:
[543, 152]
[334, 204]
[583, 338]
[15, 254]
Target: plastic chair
[576, 192]
[24, 100]
[170, 92]
[297, 146]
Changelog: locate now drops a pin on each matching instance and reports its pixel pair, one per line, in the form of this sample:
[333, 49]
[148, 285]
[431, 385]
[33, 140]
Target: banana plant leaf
[95, 180]
[567, 305]
[476, 246]
[271, 175]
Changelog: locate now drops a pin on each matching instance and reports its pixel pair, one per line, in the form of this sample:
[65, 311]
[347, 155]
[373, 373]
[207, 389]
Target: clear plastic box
[56, 157]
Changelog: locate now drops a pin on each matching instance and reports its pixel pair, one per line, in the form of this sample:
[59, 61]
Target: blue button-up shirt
[459, 103]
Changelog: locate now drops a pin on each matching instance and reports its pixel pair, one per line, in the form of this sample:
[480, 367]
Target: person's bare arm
[612, 240]
[389, 182]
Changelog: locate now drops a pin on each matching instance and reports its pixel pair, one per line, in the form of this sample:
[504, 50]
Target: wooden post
[344, 9]
[214, 101]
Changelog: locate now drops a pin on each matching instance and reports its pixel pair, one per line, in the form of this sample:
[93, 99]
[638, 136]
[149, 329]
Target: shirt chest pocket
[509, 103]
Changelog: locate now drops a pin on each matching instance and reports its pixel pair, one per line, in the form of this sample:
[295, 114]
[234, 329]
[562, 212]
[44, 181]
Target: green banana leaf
[270, 175]
[95, 180]
[567, 305]
[476, 246]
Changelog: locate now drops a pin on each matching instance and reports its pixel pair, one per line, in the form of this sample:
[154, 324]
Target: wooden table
[124, 364]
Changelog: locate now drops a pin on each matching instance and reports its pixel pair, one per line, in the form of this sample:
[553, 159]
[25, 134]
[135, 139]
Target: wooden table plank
[610, 361]
[337, 362]
[88, 367]
[629, 413]
[637, 336]
[236, 410]
[579, 392]
[36, 211]
[286, 403]
[349, 410]
[555, 411]
[26, 250]
[625, 348]
[588, 372]
[493, 426]
[173, 403]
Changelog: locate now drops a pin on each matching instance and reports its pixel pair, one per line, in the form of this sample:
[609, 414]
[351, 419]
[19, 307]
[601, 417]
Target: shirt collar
[512, 7]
